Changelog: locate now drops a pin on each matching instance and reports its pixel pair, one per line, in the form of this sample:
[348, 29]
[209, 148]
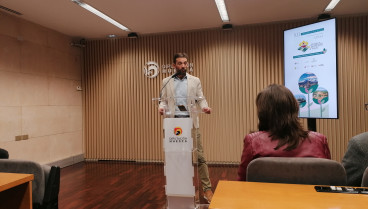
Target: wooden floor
[122, 185]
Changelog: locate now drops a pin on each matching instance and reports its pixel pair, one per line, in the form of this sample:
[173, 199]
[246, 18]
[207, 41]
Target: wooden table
[254, 195]
[15, 191]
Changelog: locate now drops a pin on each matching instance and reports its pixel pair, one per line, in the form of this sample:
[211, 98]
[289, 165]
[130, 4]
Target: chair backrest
[365, 178]
[29, 167]
[296, 170]
[46, 183]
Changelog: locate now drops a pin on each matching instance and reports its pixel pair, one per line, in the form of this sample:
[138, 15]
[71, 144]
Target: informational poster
[310, 68]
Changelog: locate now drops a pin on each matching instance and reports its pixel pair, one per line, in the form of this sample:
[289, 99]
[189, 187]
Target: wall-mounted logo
[303, 46]
[151, 69]
[178, 131]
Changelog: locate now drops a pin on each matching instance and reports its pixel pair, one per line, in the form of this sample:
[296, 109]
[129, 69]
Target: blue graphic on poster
[308, 84]
[302, 101]
[320, 96]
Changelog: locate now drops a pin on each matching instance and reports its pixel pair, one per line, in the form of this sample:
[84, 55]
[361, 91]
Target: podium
[179, 149]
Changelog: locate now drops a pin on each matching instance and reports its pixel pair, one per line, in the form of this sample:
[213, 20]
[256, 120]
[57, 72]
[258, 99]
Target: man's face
[181, 65]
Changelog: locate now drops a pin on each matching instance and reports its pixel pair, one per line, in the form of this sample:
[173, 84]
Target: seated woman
[280, 133]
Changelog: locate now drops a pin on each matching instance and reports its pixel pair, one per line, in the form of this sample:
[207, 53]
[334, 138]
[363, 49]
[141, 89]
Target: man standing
[183, 85]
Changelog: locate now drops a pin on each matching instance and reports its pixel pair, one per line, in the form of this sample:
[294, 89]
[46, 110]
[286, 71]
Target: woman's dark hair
[278, 114]
[179, 55]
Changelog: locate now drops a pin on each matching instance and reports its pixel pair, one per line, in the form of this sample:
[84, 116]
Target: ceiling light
[100, 14]
[222, 10]
[331, 5]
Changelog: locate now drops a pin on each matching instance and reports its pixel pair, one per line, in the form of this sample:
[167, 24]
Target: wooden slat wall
[352, 37]
[121, 121]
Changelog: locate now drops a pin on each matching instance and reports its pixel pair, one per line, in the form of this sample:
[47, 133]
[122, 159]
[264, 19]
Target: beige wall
[122, 123]
[39, 73]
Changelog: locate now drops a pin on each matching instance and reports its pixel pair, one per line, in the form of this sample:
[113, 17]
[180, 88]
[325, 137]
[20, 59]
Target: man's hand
[207, 110]
[161, 110]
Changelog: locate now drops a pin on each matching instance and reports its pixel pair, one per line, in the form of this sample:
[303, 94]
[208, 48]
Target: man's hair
[180, 55]
[277, 111]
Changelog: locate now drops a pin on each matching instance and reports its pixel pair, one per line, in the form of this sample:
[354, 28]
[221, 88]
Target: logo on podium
[178, 131]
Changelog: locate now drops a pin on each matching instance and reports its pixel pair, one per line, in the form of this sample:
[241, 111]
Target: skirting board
[68, 161]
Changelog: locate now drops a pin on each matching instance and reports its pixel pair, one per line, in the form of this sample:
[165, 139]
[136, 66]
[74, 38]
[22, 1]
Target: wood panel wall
[121, 121]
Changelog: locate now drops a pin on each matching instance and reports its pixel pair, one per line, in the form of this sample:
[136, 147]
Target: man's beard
[182, 72]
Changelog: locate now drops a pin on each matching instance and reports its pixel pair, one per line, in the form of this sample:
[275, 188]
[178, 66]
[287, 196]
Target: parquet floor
[122, 185]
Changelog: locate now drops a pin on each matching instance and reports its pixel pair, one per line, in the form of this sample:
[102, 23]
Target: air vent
[10, 10]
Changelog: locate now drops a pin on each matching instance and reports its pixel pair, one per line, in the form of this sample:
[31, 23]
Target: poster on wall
[310, 69]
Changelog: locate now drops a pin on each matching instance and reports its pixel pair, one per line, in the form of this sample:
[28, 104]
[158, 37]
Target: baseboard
[80, 158]
[68, 161]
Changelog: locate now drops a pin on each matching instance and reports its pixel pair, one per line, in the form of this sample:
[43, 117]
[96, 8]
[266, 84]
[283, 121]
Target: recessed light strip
[331, 5]
[222, 10]
[100, 14]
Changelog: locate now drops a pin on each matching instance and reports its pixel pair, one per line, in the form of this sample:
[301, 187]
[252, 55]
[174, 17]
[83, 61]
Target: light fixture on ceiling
[222, 10]
[331, 5]
[10, 10]
[100, 14]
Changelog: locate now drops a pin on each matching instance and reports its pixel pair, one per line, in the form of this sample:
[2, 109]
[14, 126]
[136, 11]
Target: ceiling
[162, 16]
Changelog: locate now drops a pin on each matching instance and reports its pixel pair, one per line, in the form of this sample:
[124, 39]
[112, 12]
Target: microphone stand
[173, 76]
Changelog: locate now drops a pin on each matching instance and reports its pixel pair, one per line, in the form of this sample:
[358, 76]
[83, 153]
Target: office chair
[46, 183]
[296, 170]
[365, 178]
